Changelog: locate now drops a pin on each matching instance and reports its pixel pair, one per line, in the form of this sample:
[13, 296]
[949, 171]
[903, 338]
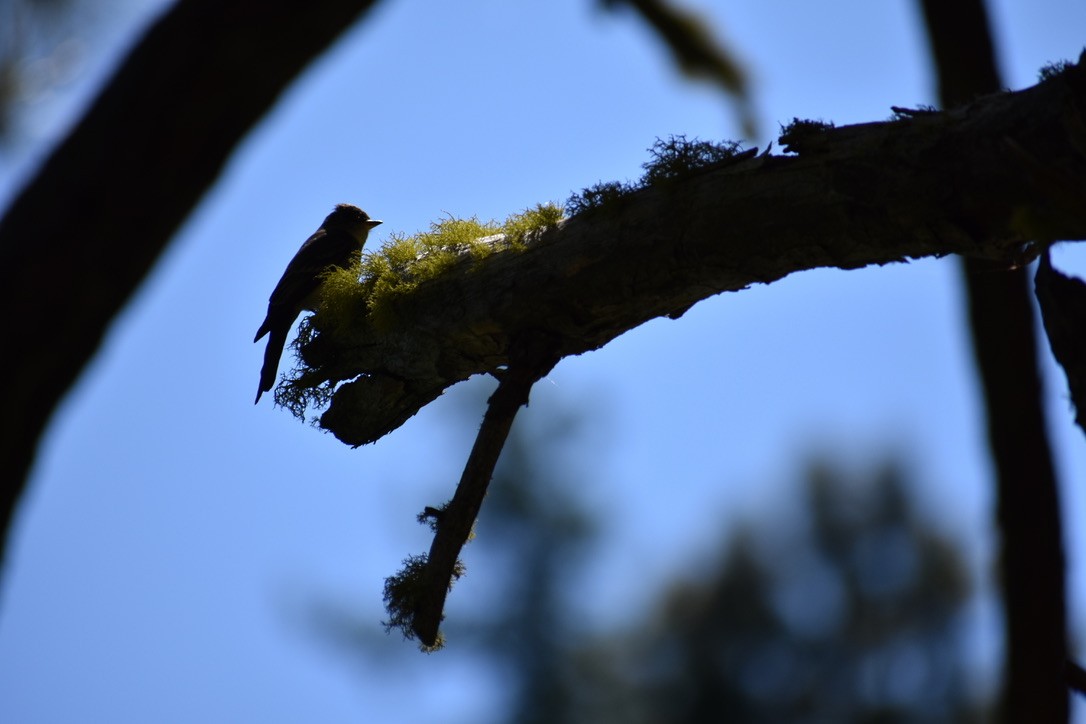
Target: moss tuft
[405, 261]
[403, 597]
[677, 157]
[597, 196]
[403, 594]
[1051, 70]
[672, 158]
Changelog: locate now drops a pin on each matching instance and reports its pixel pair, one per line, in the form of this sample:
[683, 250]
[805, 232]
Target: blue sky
[170, 522]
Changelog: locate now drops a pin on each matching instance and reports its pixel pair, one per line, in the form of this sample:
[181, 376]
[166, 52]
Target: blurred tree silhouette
[536, 524]
[532, 534]
[847, 607]
[850, 614]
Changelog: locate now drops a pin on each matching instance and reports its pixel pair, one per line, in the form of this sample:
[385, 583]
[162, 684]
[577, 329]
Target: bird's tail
[277, 338]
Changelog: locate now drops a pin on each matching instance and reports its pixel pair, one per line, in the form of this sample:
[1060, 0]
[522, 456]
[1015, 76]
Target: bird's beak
[374, 222]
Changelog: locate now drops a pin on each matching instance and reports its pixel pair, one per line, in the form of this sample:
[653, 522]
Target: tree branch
[926, 184]
[423, 608]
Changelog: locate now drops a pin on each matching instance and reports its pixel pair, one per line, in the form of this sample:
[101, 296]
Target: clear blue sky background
[171, 526]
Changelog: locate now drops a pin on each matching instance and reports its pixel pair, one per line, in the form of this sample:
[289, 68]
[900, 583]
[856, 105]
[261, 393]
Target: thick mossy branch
[369, 288]
[978, 180]
[406, 261]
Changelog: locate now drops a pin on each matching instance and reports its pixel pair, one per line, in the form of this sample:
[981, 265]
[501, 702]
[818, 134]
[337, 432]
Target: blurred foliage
[536, 525]
[852, 614]
[848, 608]
[695, 51]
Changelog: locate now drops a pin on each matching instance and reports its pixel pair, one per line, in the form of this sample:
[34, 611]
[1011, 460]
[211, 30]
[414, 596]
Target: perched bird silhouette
[342, 235]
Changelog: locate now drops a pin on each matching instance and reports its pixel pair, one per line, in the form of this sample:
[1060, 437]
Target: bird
[341, 236]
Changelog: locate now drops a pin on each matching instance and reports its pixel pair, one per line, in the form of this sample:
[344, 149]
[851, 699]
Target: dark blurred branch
[927, 184]
[961, 45]
[1005, 348]
[695, 51]
[84, 232]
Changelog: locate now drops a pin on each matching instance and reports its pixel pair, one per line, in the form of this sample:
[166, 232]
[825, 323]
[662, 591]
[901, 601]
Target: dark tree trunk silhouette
[1005, 349]
[80, 237]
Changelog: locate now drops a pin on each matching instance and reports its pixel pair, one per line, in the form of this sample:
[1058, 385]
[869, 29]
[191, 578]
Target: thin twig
[532, 359]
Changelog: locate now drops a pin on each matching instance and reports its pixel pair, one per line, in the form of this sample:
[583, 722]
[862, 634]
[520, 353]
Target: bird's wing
[302, 275]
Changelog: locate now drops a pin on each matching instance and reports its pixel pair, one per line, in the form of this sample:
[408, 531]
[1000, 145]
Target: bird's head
[351, 219]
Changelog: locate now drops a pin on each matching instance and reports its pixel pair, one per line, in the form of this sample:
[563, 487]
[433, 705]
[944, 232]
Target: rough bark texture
[81, 236]
[927, 184]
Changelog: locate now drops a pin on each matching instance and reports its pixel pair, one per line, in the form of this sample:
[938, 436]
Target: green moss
[405, 262]
[303, 388]
[373, 283]
[339, 296]
[370, 288]
[404, 593]
[518, 227]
